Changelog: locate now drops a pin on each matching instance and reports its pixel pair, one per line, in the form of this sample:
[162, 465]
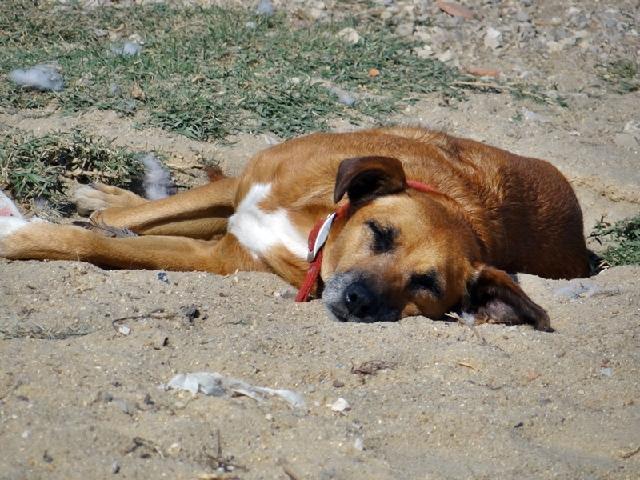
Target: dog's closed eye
[426, 282]
[383, 237]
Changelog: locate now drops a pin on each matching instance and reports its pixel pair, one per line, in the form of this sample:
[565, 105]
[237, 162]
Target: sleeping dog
[382, 223]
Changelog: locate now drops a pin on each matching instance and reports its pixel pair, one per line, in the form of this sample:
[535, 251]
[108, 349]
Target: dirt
[86, 351]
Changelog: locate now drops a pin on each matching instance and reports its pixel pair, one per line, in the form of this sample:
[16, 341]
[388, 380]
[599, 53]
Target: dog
[405, 221]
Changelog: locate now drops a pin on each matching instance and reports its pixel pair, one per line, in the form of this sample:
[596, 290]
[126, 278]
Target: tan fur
[494, 208]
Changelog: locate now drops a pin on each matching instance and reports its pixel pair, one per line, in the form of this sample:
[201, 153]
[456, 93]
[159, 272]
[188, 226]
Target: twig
[156, 314]
[630, 453]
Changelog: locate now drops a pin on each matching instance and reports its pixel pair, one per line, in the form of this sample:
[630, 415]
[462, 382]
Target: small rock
[46, 457]
[405, 30]
[285, 293]
[104, 397]
[265, 7]
[162, 276]
[338, 383]
[124, 330]
[633, 127]
[127, 49]
[115, 468]
[174, 449]
[316, 13]
[626, 140]
[159, 340]
[493, 38]
[372, 366]
[424, 51]
[191, 312]
[358, 444]
[445, 56]
[349, 35]
[530, 116]
[606, 371]
[124, 406]
[340, 405]
[344, 97]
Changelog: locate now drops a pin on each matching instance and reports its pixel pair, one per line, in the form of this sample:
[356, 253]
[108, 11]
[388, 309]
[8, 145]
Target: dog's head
[404, 252]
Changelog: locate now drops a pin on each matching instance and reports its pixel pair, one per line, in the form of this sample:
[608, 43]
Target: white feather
[40, 77]
[157, 181]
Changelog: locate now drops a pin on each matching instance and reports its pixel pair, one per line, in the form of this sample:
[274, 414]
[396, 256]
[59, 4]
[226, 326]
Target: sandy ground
[85, 351]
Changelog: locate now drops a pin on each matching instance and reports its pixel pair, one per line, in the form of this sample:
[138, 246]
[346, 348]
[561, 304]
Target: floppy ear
[365, 178]
[494, 297]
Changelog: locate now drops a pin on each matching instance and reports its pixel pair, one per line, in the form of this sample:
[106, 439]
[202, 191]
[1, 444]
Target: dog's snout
[354, 297]
[359, 299]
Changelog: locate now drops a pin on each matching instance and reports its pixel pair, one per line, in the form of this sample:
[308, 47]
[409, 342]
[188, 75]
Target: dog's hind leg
[39, 240]
[198, 213]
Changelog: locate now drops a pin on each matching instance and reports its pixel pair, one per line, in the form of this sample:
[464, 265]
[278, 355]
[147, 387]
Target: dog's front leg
[198, 213]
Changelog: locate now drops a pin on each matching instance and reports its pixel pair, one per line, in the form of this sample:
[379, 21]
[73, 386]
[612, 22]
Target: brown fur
[495, 211]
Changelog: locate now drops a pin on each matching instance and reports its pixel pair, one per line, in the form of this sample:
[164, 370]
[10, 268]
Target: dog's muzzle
[352, 297]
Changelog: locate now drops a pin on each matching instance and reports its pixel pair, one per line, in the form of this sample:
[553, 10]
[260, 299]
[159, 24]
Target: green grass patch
[210, 72]
[624, 237]
[622, 75]
[41, 167]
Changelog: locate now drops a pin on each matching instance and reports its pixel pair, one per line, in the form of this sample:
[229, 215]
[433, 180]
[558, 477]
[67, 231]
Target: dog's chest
[259, 231]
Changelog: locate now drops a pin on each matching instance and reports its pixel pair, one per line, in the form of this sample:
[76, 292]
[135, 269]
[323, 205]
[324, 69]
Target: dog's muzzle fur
[353, 297]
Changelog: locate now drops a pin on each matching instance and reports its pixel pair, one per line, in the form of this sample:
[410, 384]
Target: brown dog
[393, 251]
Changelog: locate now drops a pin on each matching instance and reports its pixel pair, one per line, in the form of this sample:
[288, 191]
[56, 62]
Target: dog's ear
[494, 297]
[365, 178]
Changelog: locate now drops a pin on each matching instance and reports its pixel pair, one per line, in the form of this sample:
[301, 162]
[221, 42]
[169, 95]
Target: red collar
[318, 237]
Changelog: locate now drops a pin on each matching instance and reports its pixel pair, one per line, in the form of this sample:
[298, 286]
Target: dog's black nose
[359, 299]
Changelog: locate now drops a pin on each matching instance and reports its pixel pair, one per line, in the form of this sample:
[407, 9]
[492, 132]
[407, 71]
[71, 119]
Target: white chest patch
[258, 231]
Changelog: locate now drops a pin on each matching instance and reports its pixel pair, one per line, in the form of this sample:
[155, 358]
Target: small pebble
[340, 405]
[492, 38]
[124, 330]
[358, 444]
[265, 7]
[607, 371]
[349, 35]
[124, 406]
[174, 449]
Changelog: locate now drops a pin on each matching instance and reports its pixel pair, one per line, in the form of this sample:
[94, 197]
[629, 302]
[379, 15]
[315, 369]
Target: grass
[622, 75]
[32, 330]
[625, 239]
[209, 72]
[40, 167]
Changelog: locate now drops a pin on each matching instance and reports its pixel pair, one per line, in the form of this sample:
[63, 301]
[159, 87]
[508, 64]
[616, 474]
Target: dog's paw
[95, 197]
